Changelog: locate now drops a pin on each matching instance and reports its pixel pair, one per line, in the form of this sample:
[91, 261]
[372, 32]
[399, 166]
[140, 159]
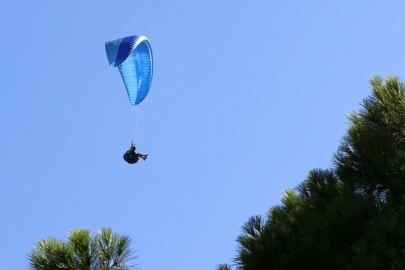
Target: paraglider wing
[133, 57]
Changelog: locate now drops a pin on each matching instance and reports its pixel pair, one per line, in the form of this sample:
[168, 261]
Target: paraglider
[133, 57]
[132, 157]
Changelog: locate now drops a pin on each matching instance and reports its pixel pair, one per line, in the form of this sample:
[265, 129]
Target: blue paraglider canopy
[133, 57]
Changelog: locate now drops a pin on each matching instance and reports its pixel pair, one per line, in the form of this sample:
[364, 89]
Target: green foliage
[104, 251]
[351, 216]
[371, 156]
[51, 253]
[223, 267]
[113, 250]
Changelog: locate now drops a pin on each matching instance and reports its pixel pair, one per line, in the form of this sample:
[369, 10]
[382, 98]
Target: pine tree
[104, 251]
[350, 216]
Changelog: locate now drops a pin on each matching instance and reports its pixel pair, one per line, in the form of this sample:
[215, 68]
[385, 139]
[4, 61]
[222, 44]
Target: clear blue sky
[246, 98]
